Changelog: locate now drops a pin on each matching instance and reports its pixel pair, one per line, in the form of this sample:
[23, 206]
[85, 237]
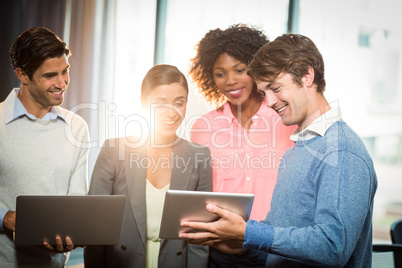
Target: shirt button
[123, 247]
[248, 178]
[179, 253]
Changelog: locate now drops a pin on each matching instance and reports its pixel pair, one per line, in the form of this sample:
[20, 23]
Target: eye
[276, 90]
[240, 71]
[219, 75]
[179, 104]
[158, 104]
[49, 75]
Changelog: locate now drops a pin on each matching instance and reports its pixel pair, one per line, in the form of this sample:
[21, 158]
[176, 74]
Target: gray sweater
[44, 158]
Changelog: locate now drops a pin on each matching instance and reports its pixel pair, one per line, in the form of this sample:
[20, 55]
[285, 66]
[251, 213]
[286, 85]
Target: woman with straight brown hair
[143, 173]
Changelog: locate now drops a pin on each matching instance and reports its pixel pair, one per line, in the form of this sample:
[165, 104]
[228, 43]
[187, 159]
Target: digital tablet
[190, 205]
[87, 220]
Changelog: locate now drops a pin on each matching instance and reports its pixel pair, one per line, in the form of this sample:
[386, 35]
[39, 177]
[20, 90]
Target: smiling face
[287, 98]
[168, 105]
[47, 87]
[231, 79]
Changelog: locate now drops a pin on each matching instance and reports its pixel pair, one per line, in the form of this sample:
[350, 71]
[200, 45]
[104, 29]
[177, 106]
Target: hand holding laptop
[66, 222]
[59, 245]
[9, 223]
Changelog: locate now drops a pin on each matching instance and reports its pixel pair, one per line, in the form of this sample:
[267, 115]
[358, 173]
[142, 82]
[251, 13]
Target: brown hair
[33, 47]
[162, 74]
[289, 53]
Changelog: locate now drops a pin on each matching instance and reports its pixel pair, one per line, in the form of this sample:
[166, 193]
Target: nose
[270, 98]
[172, 112]
[62, 81]
[231, 78]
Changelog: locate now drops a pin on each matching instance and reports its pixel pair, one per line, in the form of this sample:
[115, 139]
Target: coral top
[245, 162]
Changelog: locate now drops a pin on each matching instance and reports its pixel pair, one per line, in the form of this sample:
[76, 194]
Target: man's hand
[230, 226]
[9, 221]
[59, 245]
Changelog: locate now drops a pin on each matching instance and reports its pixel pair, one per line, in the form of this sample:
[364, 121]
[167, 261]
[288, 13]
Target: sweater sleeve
[3, 212]
[103, 175]
[258, 236]
[79, 178]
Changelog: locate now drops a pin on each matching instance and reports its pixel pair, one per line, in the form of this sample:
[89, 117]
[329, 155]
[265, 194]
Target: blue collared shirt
[14, 109]
[319, 126]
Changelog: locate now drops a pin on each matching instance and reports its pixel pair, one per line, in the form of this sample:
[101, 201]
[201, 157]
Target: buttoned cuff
[258, 236]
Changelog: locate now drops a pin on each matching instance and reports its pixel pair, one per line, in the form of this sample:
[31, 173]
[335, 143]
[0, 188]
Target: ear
[21, 75]
[308, 78]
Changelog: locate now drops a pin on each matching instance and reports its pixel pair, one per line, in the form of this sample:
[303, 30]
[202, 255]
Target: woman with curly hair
[246, 138]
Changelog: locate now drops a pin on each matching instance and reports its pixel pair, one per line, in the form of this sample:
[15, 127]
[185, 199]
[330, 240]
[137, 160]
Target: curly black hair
[239, 41]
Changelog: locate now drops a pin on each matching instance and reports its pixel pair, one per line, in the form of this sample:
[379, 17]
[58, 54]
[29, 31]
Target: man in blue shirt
[321, 213]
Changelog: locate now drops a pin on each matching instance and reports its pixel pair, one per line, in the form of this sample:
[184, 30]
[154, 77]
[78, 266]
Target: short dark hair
[289, 53]
[239, 41]
[33, 47]
[162, 74]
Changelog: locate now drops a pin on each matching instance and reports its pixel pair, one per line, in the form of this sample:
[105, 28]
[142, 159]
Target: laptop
[190, 205]
[87, 220]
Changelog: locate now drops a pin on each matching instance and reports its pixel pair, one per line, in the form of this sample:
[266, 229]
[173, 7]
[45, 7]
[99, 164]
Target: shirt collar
[319, 126]
[13, 109]
[228, 112]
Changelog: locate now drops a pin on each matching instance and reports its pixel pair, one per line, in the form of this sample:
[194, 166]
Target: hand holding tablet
[191, 206]
[225, 234]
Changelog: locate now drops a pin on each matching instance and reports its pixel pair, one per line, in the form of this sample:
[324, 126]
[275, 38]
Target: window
[188, 21]
[360, 42]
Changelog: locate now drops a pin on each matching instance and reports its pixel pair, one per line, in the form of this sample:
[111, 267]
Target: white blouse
[155, 199]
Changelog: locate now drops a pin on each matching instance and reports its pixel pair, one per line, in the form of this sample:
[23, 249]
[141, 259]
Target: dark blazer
[120, 171]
